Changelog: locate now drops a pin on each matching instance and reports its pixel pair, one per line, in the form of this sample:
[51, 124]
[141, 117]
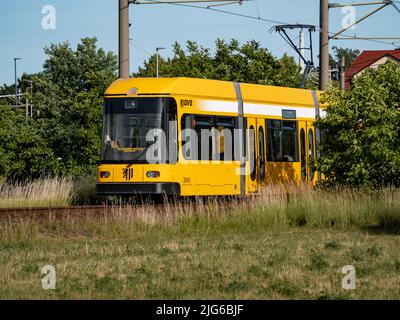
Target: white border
[257, 109]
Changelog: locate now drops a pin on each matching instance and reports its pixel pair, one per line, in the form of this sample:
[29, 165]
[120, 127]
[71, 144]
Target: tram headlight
[152, 174]
[104, 174]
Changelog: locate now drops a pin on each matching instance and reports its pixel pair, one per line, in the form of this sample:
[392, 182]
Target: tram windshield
[126, 124]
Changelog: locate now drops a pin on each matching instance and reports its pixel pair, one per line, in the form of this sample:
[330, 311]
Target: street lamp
[16, 85]
[158, 49]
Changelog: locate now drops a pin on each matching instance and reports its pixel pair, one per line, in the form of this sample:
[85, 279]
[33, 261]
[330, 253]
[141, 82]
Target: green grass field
[271, 246]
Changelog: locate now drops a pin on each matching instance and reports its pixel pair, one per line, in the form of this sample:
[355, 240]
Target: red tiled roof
[367, 58]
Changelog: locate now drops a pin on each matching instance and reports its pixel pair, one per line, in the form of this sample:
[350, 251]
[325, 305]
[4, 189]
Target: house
[369, 59]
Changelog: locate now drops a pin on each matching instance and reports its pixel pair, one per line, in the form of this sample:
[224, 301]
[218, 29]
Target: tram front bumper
[138, 188]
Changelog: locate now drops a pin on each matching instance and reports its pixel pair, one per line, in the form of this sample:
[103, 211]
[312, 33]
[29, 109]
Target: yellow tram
[268, 131]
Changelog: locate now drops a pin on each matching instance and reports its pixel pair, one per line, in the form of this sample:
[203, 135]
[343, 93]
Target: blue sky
[21, 33]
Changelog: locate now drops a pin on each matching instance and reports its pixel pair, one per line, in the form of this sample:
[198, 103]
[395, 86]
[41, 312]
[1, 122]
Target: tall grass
[273, 208]
[274, 205]
[345, 207]
[38, 193]
[284, 242]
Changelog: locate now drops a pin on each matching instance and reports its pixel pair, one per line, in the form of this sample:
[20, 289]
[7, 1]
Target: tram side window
[188, 141]
[225, 135]
[282, 141]
[172, 132]
[214, 137]
[203, 126]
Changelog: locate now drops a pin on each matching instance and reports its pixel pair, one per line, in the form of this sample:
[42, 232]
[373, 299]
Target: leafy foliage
[349, 54]
[70, 90]
[63, 138]
[23, 151]
[231, 61]
[361, 131]
[334, 61]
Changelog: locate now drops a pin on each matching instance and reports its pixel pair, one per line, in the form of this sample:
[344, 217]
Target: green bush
[63, 137]
[361, 135]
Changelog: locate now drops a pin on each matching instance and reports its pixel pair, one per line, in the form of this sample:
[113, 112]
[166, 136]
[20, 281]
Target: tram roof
[209, 89]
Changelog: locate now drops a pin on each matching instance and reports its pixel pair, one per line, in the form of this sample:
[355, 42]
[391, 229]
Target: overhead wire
[259, 18]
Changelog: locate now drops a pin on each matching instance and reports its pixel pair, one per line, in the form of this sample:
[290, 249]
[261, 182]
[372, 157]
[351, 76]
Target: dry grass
[284, 243]
[266, 264]
[40, 193]
[277, 206]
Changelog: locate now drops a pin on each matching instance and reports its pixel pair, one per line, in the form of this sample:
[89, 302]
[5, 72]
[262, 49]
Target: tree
[8, 131]
[334, 60]
[68, 96]
[361, 131]
[231, 62]
[24, 153]
[7, 89]
[63, 138]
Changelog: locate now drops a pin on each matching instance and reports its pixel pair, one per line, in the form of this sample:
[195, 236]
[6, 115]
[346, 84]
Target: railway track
[53, 212]
[45, 213]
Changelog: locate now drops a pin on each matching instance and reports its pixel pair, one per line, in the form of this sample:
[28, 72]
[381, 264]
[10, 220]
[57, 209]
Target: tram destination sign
[289, 114]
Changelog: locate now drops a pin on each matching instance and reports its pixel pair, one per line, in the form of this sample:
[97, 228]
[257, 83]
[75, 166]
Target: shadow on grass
[388, 223]
[381, 230]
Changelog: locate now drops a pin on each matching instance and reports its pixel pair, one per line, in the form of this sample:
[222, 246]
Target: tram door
[261, 156]
[252, 151]
[256, 152]
[307, 150]
[311, 153]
